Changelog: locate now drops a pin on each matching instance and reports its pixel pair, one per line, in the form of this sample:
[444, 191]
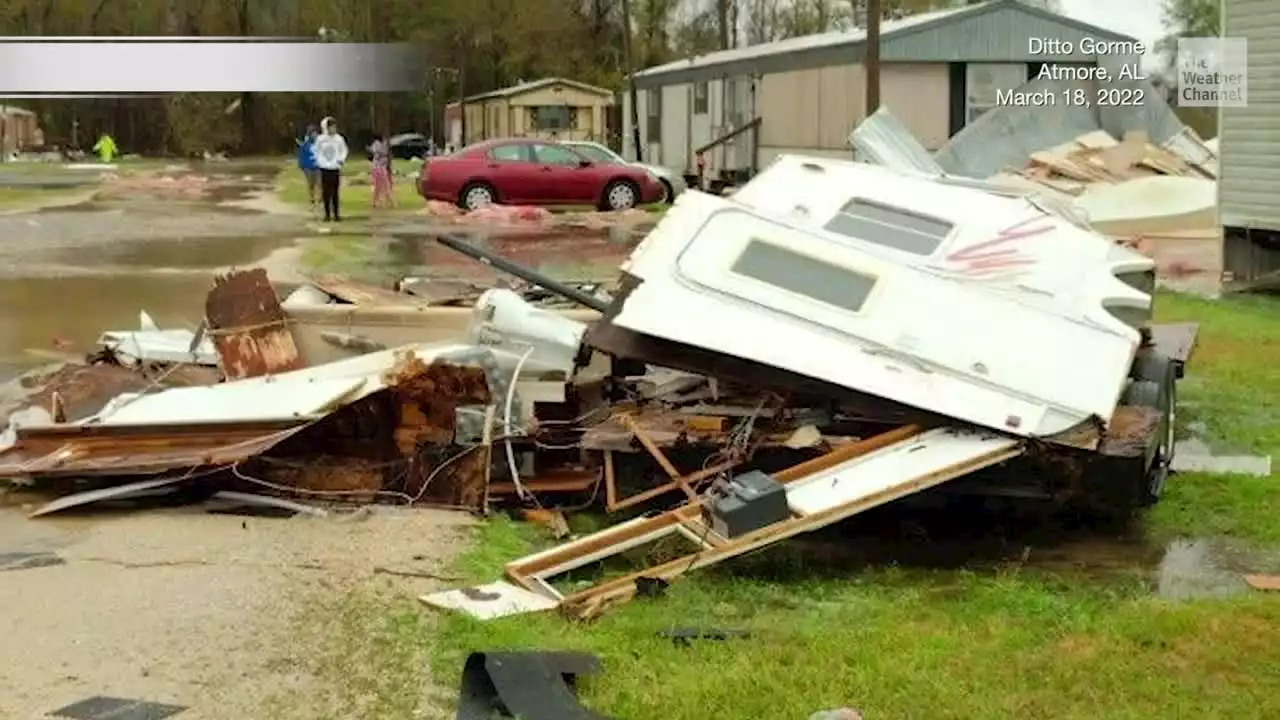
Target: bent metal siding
[1249, 175]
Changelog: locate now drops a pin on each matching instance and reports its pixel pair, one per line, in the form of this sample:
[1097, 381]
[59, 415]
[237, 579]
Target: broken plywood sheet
[1263, 582]
[486, 602]
[881, 471]
[1063, 190]
[355, 292]
[248, 326]
[1121, 158]
[1096, 140]
[1151, 205]
[968, 451]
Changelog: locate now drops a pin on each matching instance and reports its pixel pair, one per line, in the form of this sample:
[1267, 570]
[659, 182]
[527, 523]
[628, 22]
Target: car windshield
[597, 153]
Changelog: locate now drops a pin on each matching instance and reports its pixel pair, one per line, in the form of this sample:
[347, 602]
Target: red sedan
[533, 172]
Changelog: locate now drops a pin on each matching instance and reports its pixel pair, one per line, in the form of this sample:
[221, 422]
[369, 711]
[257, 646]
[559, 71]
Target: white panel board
[887, 469]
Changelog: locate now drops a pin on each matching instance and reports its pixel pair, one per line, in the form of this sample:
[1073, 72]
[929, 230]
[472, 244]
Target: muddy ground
[70, 272]
[226, 615]
[231, 616]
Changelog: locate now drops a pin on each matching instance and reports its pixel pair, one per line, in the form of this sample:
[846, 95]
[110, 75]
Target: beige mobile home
[939, 70]
[551, 107]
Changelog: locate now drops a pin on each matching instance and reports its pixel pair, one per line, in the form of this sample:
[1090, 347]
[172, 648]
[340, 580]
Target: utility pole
[631, 78]
[462, 91]
[871, 57]
[462, 104]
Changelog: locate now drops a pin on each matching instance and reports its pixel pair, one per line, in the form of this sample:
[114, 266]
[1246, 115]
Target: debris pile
[748, 375]
[528, 215]
[181, 186]
[1157, 198]
[1132, 190]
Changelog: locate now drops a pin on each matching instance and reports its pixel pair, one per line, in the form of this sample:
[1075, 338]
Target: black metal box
[745, 503]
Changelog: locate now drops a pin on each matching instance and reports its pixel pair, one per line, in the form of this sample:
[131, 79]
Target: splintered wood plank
[981, 453]
[248, 326]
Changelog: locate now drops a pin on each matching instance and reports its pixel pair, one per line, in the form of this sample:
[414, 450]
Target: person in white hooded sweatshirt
[331, 153]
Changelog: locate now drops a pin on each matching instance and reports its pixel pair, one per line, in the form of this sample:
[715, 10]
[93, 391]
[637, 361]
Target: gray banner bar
[167, 67]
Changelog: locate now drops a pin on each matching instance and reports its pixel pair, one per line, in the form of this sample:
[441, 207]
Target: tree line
[477, 46]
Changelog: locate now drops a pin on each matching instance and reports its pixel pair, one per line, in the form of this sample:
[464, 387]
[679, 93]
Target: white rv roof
[952, 299]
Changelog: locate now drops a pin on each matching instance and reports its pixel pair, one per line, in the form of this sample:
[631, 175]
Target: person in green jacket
[105, 148]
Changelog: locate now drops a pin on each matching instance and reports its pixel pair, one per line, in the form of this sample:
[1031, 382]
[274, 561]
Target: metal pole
[462, 105]
[522, 272]
[871, 57]
[631, 79]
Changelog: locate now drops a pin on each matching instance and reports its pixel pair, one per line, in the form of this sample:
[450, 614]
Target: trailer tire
[1151, 365]
[1162, 397]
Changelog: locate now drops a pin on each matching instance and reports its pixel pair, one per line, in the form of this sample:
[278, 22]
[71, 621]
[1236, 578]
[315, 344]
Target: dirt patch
[267, 202]
[234, 617]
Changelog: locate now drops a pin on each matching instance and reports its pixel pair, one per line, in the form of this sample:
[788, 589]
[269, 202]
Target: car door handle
[493, 166]
[546, 169]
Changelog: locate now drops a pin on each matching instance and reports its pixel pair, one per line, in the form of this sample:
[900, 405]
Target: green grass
[1011, 642]
[898, 643]
[1232, 390]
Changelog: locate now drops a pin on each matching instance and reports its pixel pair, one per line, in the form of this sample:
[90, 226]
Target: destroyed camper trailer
[941, 337]
[924, 301]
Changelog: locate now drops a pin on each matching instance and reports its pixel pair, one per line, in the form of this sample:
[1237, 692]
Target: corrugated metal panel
[1250, 146]
[882, 139]
[1006, 136]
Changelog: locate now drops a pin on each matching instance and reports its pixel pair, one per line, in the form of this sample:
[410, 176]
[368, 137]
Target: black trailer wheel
[1155, 386]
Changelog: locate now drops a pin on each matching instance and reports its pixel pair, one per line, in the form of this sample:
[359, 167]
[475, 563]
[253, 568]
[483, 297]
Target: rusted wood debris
[248, 326]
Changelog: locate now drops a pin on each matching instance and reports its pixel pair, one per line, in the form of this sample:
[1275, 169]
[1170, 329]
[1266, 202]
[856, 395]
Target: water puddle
[164, 255]
[48, 317]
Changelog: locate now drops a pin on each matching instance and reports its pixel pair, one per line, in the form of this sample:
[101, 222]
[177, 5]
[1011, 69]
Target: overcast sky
[1137, 18]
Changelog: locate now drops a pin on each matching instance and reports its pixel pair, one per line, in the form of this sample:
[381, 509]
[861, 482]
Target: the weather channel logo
[1213, 72]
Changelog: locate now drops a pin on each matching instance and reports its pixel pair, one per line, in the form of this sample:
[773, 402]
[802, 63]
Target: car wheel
[620, 195]
[476, 195]
[668, 192]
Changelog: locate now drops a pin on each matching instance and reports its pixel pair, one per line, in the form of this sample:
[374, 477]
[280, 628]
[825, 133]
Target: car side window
[507, 153]
[555, 155]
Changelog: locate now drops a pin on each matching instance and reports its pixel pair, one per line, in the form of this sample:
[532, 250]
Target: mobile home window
[653, 109]
[552, 117]
[700, 98]
[890, 227]
[804, 275]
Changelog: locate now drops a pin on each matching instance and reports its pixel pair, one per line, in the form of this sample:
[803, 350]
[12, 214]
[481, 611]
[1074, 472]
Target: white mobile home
[939, 70]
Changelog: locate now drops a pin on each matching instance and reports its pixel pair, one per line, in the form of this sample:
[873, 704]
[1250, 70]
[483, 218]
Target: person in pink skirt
[382, 197]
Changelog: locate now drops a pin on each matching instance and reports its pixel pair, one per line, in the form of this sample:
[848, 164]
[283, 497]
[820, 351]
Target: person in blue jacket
[307, 162]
